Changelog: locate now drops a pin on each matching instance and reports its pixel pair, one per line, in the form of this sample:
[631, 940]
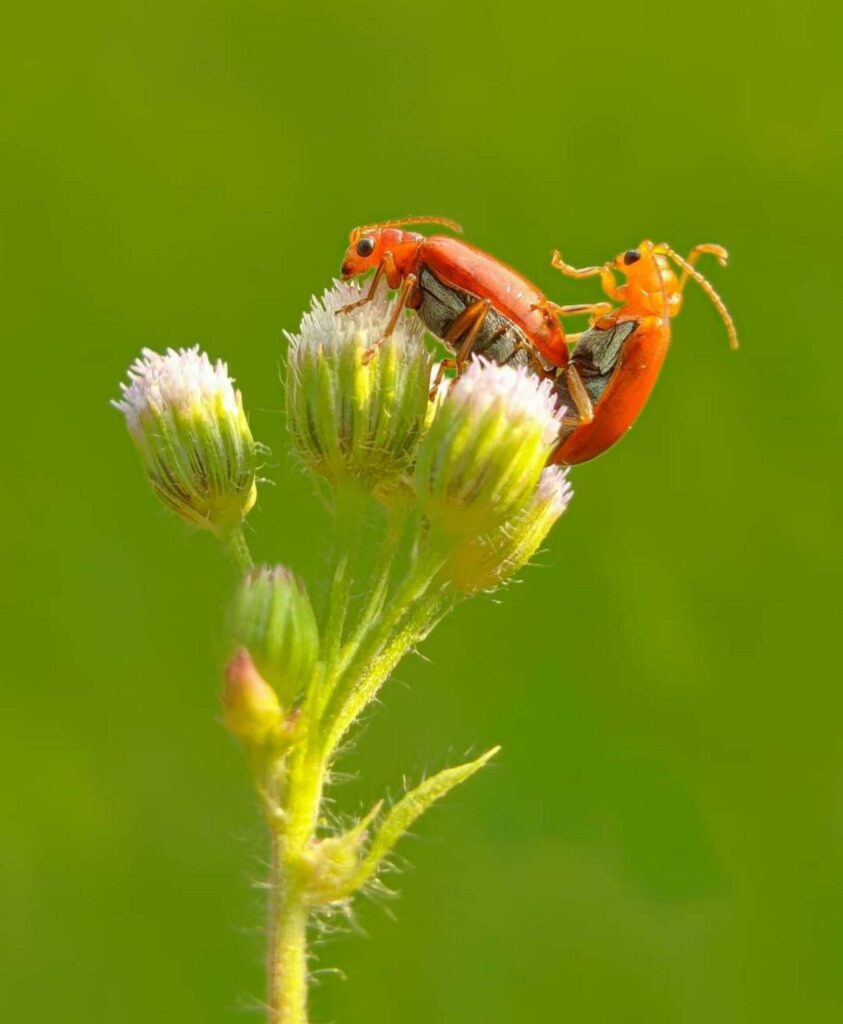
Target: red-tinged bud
[252, 709]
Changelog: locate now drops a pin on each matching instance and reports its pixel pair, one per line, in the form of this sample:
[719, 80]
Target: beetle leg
[579, 396]
[596, 309]
[607, 278]
[386, 266]
[445, 364]
[408, 286]
[465, 329]
[538, 367]
[370, 294]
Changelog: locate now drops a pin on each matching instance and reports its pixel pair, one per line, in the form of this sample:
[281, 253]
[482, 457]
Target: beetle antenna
[707, 287]
[444, 222]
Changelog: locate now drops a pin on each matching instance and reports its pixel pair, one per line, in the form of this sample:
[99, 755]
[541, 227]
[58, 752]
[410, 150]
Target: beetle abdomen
[595, 358]
[498, 338]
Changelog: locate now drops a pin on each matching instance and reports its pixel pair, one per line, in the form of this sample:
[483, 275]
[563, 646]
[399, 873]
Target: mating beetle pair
[478, 305]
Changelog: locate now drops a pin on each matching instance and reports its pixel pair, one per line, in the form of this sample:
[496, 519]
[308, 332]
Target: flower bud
[488, 561]
[356, 404]
[252, 709]
[480, 461]
[271, 617]
[187, 422]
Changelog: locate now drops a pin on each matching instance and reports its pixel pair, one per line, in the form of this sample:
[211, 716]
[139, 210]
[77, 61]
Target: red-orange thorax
[651, 289]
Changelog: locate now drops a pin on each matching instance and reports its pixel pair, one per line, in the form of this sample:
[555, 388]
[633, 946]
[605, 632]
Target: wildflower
[271, 617]
[480, 462]
[356, 403]
[187, 422]
[489, 560]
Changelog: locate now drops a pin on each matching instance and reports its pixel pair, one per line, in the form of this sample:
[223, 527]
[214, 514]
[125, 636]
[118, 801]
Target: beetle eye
[632, 256]
[365, 247]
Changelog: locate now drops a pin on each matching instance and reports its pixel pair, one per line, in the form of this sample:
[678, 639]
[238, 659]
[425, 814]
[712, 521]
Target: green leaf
[403, 815]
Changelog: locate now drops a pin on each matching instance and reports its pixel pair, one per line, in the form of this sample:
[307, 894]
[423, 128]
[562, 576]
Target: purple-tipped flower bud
[356, 403]
[187, 421]
[480, 462]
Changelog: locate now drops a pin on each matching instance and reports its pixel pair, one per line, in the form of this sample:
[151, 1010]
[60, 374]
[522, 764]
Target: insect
[468, 299]
[620, 357]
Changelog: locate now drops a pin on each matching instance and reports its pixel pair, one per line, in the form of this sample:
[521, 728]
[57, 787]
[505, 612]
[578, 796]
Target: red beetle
[472, 302]
[619, 359]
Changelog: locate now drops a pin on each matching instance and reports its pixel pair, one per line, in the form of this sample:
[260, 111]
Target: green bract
[272, 618]
[356, 404]
[187, 421]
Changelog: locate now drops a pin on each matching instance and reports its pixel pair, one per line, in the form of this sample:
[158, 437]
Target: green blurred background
[661, 837]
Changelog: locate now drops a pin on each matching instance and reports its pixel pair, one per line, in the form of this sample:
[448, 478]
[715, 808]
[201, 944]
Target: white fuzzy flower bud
[480, 462]
[488, 561]
[356, 414]
[187, 421]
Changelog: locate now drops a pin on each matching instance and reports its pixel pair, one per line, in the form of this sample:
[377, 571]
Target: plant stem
[288, 970]
[381, 638]
[238, 550]
[289, 910]
[349, 513]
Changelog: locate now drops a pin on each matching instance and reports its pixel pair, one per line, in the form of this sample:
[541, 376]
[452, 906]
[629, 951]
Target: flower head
[481, 460]
[489, 560]
[355, 402]
[187, 421]
[271, 617]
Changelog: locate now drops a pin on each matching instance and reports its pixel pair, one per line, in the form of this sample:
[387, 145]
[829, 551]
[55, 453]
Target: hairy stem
[349, 513]
[293, 833]
[348, 678]
[383, 660]
[238, 549]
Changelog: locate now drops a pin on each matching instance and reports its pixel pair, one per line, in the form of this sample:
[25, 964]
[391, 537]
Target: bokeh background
[661, 837]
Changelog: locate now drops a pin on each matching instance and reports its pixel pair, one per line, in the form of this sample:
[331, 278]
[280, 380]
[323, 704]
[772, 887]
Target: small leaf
[403, 815]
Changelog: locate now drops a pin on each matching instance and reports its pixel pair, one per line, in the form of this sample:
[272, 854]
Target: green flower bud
[272, 618]
[488, 561]
[187, 422]
[480, 461]
[356, 404]
[252, 709]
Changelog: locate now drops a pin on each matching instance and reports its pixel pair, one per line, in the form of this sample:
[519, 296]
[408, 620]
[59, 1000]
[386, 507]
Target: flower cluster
[473, 458]
[461, 484]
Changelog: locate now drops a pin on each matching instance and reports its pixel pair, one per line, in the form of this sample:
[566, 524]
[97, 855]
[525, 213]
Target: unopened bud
[480, 462]
[252, 709]
[356, 403]
[187, 422]
[488, 561]
[272, 617]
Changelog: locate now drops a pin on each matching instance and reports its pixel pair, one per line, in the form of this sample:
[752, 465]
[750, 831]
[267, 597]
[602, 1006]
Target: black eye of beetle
[365, 247]
[633, 256]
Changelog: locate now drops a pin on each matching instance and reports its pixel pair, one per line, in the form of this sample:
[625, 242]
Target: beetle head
[635, 263]
[366, 248]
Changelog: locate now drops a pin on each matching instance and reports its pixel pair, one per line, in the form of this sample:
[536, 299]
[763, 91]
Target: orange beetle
[468, 299]
[619, 359]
